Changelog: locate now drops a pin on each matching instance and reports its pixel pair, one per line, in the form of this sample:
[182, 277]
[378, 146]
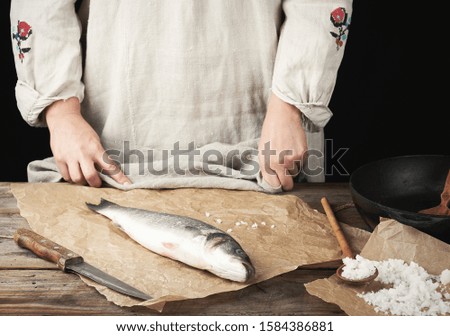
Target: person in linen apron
[153, 75]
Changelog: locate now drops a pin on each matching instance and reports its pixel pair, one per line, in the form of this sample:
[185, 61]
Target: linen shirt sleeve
[47, 52]
[310, 50]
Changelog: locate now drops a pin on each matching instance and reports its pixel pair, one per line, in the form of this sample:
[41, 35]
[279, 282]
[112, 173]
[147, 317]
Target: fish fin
[116, 224]
[101, 206]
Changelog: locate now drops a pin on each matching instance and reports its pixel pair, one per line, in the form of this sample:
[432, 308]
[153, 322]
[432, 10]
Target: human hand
[282, 144]
[76, 147]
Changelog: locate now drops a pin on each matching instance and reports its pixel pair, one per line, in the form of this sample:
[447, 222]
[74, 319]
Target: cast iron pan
[399, 187]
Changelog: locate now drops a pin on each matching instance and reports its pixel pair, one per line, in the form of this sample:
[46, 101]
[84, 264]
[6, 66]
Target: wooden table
[31, 286]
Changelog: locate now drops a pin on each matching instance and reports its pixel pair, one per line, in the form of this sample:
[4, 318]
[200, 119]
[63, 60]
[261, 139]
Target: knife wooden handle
[46, 249]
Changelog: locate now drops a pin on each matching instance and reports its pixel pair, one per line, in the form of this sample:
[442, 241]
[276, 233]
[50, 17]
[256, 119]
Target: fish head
[227, 259]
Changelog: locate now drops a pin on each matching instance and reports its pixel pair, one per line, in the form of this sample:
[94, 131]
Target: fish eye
[240, 252]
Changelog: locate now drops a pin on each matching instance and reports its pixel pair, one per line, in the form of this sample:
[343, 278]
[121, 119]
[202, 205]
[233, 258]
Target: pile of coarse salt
[358, 268]
[413, 291]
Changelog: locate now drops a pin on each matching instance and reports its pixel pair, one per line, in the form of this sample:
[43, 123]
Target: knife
[71, 262]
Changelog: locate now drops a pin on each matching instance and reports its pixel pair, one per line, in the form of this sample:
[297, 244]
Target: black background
[389, 99]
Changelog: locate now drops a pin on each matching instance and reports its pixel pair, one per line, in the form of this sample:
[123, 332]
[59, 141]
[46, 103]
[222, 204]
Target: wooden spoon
[343, 243]
[443, 208]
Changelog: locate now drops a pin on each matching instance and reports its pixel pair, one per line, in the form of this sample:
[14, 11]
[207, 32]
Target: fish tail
[101, 206]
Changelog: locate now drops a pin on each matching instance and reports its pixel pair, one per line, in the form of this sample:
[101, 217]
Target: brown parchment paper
[300, 235]
[390, 239]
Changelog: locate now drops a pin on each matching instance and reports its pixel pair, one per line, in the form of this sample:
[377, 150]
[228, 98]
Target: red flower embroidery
[340, 19]
[21, 33]
[23, 29]
[338, 16]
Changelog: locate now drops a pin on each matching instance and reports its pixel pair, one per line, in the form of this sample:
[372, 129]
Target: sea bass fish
[185, 239]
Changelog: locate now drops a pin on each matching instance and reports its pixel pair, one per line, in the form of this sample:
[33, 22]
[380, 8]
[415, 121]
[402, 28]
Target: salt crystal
[411, 291]
[358, 268]
[445, 277]
[207, 214]
[230, 230]
[263, 223]
[238, 223]
[254, 225]
[272, 226]
[218, 221]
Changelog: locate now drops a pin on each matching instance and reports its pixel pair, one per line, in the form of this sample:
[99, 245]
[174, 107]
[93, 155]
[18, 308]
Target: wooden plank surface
[51, 292]
[31, 286]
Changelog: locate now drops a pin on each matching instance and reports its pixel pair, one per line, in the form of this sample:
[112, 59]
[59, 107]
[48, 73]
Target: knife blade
[70, 262]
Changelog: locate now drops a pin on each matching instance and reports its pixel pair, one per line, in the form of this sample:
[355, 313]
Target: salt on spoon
[345, 247]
